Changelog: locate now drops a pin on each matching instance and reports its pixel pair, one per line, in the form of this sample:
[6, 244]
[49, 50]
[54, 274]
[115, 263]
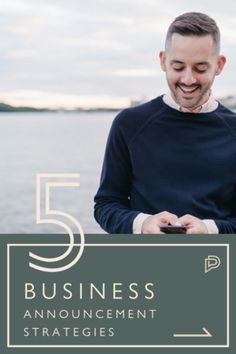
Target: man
[172, 161]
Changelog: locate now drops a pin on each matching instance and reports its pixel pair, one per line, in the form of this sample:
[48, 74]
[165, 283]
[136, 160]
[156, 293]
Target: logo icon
[211, 262]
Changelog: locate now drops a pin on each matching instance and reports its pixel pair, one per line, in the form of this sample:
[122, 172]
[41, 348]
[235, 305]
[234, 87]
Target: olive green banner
[119, 293]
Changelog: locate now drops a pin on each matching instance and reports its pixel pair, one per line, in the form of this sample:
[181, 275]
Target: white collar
[208, 106]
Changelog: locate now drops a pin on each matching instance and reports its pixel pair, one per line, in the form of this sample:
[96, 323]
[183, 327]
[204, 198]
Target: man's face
[191, 64]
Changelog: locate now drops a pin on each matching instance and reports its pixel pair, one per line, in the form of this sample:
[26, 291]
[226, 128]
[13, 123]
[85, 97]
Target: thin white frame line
[228, 296]
[120, 346]
[8, 295]
[121, 244]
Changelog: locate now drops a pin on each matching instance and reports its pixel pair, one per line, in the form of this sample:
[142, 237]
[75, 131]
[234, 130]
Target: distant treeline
[7, 108]
[231, 104]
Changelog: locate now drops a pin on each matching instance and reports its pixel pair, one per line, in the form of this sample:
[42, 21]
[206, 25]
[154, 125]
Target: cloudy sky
[96, 52]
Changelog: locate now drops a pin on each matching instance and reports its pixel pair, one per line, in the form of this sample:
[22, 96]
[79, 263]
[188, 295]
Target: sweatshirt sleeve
[112, 201]
[228, 224]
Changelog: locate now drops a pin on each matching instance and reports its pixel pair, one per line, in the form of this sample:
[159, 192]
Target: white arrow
[205, 334]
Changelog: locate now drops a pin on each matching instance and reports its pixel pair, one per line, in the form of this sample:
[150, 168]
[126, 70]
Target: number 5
[55, 221]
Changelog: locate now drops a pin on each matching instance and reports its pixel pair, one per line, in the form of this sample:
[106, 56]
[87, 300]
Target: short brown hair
[194, 23]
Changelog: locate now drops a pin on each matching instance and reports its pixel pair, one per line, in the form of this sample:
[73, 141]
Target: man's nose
[188, 78]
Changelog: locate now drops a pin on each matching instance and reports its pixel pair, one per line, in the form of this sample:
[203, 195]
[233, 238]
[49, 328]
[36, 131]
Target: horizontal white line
[58, 175]
[117, 346]
[122, 244]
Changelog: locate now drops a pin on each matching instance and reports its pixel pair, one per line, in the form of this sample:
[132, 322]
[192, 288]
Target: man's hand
[193, 224]
[152, 224]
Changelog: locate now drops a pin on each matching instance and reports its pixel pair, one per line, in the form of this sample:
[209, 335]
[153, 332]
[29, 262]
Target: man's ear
[162, 57]
[220, 64]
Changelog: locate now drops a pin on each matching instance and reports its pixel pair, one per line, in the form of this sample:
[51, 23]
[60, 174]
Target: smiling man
[171, 162]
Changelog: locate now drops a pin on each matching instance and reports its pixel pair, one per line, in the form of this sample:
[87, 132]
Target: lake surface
[64, 142]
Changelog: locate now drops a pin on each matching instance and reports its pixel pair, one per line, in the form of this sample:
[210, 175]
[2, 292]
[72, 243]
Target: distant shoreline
[5, 108]
[229, 102]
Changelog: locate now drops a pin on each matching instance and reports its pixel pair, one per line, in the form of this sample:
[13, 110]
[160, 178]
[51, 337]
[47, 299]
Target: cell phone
[172, 229]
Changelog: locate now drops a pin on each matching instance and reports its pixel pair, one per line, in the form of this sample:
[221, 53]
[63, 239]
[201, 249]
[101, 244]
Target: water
[62, 142]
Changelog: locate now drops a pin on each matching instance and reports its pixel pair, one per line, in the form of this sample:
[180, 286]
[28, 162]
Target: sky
[96, 53]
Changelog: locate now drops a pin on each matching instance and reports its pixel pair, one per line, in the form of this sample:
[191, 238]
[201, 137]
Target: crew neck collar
[209, 106]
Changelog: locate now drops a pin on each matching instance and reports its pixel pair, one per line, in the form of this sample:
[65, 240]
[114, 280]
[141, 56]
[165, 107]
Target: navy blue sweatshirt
[158, 159]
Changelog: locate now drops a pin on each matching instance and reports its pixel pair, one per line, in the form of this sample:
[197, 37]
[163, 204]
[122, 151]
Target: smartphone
[172, 229]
